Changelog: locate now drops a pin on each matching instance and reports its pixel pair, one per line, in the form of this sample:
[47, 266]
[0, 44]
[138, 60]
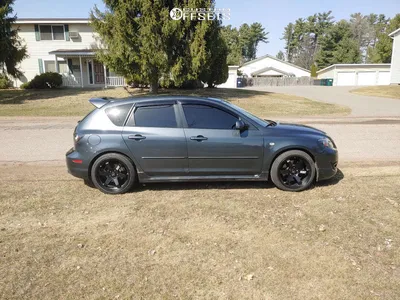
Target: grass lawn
[60, 239]
[74, 102]
[387, 91]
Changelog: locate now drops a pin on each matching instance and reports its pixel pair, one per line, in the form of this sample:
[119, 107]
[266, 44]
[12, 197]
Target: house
[264, 66]
[269, 66]
[66, 46]
[357, 74]
[395, 69]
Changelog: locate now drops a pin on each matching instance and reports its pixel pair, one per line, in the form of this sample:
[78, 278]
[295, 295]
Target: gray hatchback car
[179, 138]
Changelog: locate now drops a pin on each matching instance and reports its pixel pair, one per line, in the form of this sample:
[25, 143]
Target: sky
[273, 15]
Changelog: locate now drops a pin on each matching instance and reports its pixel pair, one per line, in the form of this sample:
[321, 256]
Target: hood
[297, 129]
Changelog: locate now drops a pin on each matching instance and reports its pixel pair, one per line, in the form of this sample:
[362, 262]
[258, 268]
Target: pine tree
[382, 52]
[313, 71]
[280, 55]
[216, 69]
[232, 40]
[243, 42]
[142, 42]
[12, 52]
[338, 46]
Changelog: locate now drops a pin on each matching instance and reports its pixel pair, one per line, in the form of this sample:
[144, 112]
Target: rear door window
[118, 114]
[154, 116]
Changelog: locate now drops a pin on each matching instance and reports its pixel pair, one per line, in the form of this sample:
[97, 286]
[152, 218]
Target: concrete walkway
[365, 106]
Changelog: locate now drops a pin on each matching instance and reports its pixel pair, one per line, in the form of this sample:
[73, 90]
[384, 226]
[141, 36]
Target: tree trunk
[154, 86]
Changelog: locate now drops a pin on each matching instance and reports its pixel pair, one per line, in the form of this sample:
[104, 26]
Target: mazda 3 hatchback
[179, 138]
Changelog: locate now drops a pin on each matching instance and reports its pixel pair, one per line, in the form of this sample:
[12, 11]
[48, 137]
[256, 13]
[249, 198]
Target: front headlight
[327, 143]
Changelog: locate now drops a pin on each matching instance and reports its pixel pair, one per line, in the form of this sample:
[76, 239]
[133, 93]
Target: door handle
[198, 138]
[136, 137]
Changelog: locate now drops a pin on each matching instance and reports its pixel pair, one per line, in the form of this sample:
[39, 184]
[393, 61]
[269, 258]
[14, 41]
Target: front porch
[79, 68]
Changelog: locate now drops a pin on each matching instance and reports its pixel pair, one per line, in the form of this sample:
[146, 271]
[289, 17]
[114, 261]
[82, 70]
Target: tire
[89, 183]
[113, 173]
[291, 167]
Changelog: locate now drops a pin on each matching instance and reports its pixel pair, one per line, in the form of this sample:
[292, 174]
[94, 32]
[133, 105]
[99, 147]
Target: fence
[280, 81]
[116, 81]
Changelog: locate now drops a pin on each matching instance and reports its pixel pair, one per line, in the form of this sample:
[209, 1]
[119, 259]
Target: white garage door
[346, 78]
[366, 78]
[384, 78]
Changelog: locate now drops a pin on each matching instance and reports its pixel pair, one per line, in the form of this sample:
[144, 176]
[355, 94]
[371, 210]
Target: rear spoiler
[99, 102]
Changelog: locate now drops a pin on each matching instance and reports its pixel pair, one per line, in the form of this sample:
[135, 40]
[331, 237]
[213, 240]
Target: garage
[346, 78]
[356, 74]
[384, 78]
[366, 78]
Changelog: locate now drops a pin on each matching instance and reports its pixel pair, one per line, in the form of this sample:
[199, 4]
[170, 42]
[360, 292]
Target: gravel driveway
[47, 139]
[360, 105]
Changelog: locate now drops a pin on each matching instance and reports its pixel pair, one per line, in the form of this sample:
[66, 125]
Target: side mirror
[240, 125]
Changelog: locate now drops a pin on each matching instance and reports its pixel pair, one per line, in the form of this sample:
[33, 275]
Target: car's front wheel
[113, 173]
[293, 170]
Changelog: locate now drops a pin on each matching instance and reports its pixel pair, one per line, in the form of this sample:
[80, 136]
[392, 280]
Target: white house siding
[357, 74]
[266, 62]
[231, 82]
[40, 49]
[395, 69]
[327, 74]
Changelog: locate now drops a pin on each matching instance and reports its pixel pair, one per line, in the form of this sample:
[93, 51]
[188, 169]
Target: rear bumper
[327, 164]
[77, 169]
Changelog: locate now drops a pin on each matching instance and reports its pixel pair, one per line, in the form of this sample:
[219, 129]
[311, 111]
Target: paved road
[44, 140]
[360, 105]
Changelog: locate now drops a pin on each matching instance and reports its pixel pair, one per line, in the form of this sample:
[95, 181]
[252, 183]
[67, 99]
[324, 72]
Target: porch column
[80, 66]
[105, 76]
[56, 64]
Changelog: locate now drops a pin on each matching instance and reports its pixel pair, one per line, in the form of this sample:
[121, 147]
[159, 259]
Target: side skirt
[259, 177]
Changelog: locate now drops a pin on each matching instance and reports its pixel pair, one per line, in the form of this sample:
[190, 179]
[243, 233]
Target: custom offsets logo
[200, 14]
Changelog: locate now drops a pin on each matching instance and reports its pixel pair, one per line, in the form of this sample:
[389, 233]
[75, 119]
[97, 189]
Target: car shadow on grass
[332, 181]
[221, 185]
[225, 185]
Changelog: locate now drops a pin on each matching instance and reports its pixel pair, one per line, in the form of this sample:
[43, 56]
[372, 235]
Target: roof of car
[163, 98]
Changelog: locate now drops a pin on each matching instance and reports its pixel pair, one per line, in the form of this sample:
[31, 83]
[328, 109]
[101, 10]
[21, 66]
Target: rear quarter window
[118, 114]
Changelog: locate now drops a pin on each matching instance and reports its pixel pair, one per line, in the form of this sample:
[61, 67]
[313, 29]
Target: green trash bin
[329, 81]
[323, 82]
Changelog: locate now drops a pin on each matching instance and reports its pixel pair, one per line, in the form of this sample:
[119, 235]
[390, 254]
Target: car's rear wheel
[293, 171]
[113, 173]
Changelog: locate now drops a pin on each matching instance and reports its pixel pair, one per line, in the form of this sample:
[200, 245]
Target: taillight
[78, 137]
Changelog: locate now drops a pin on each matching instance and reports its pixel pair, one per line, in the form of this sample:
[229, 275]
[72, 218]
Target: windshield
[256, 119]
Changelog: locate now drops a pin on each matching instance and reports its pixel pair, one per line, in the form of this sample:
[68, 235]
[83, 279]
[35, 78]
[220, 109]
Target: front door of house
[98, 72]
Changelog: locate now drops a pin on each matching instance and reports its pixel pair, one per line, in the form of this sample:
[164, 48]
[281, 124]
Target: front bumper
[327, 164]
[80, 170]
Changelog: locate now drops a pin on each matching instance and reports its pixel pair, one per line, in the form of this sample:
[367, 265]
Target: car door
[215, 147]
[156, 139]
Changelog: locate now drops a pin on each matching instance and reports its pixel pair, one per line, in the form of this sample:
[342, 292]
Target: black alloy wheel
[113, 173]
[293, 170]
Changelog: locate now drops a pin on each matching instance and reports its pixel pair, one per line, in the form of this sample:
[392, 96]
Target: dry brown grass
[387, 91]
[60, 102]
[74, 102]
[60, 239]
